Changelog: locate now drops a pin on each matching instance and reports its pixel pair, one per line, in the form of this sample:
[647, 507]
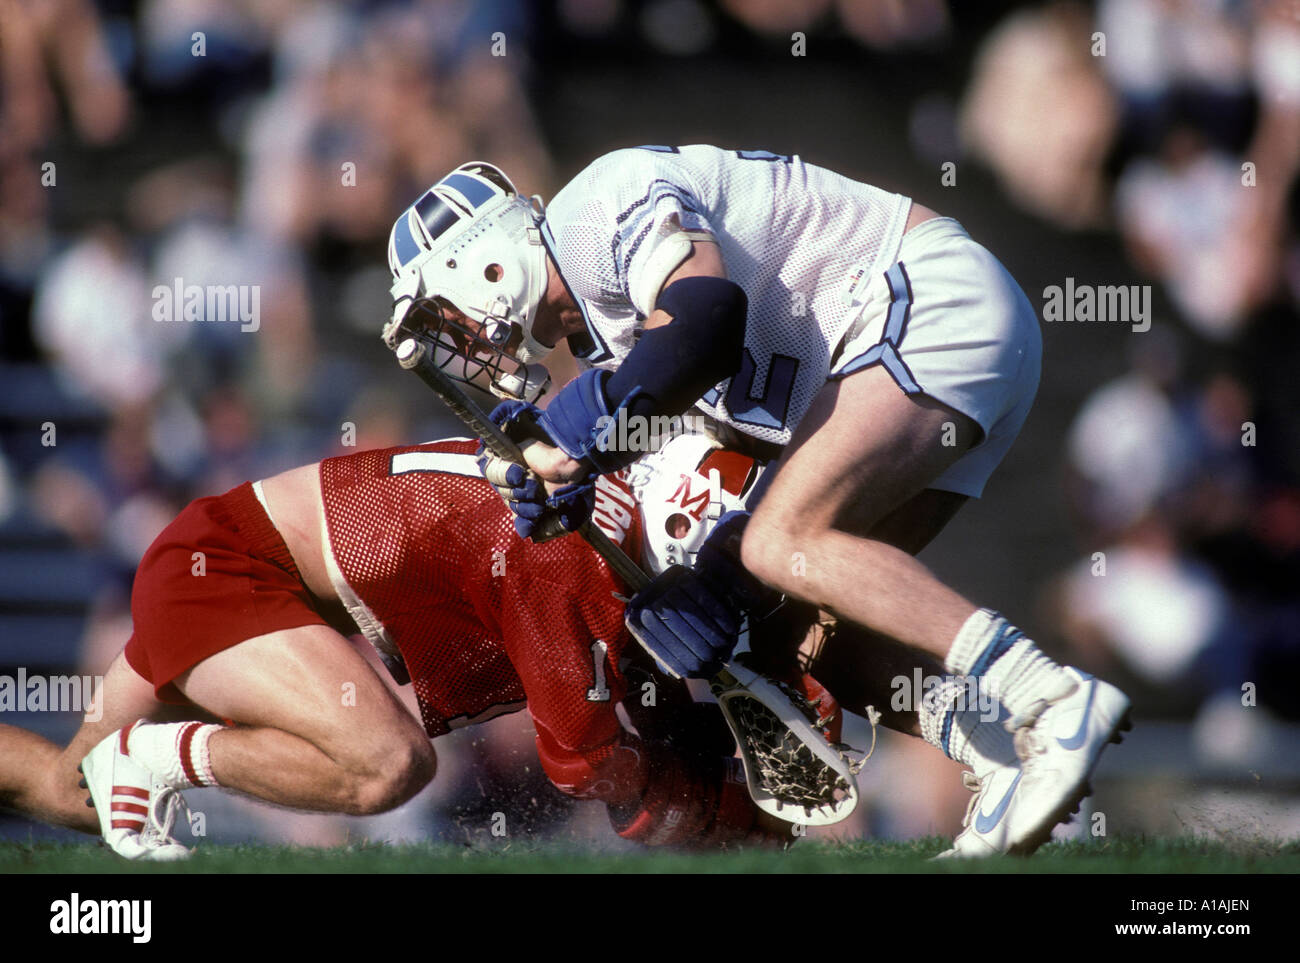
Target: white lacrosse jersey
[798, 239]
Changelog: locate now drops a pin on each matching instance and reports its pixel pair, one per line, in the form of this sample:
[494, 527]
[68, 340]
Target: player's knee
[765, 550]
[393, 777]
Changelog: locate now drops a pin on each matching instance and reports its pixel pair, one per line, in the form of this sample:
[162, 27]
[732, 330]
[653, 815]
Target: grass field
[1120, 855]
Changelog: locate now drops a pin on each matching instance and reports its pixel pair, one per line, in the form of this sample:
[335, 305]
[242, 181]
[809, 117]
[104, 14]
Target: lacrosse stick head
[792, 769]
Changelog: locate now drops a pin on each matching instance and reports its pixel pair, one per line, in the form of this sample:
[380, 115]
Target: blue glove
[523, 492]
[719, 560]
[580, 422]
[572, 504]
[685, 623]
[690, 619]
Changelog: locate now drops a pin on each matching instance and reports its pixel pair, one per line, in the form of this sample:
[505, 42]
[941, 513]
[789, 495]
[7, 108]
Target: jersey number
[766, 408]
[598, 692]
[443, 462]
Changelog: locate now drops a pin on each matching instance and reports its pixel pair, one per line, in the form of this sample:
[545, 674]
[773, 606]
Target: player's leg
[41, 779]
[29, 783]
[317, 728]
[958, 328]
[863, 448]
[864, 669]
[240, 637]
[946, 356]
[880, 586]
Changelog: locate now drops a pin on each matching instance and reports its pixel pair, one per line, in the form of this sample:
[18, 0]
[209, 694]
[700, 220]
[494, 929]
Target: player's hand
[553, 466]
[523, 492]
[572, 504]
[690, 619]
[682, 620]
[578, 422]
[719, 560]
[532, 501]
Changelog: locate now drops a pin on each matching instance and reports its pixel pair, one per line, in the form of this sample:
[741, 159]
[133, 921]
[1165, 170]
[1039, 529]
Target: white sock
[964, 727]
[1008, 664]
[176, 752]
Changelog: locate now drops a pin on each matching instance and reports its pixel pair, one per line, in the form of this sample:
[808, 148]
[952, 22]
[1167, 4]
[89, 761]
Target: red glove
[705, 804]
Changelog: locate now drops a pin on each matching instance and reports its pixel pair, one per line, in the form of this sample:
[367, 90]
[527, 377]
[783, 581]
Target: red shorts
[187, 607]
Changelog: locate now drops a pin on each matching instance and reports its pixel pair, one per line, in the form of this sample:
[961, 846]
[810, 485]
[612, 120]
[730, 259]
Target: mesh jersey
[425, 555]
[798, 239]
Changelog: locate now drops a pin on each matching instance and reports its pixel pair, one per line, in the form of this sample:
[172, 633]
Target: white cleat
[136, 810]
[987, 821]
[1059, 750]
[1016, 805]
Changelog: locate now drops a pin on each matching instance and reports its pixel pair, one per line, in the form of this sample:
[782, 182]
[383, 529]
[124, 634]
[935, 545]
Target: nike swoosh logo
[1076, 740]
[984, 822]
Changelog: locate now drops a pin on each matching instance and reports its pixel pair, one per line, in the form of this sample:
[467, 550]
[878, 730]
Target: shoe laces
[164, 803]
[1025, 735]
[1029, 742]
[975, 784]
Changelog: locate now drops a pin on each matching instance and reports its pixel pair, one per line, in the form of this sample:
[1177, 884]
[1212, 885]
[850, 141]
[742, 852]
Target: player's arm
[691, 340]
[676, 791]
[673, 787]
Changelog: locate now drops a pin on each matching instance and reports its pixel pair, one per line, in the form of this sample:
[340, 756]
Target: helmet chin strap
[532, 350]
[527, 384]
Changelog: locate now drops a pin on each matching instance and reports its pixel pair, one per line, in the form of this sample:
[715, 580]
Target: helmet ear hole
[677, 525]
[494, 272]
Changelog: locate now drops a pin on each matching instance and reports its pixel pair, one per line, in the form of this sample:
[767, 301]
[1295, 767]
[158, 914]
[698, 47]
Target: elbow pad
[667, 372]
[673, 365]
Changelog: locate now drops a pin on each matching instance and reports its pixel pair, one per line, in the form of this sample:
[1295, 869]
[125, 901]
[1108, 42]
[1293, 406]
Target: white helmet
[683, 489]
[472, 243]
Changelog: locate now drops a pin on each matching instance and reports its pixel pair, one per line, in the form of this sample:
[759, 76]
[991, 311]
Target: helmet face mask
[472, 353]
[469, 272]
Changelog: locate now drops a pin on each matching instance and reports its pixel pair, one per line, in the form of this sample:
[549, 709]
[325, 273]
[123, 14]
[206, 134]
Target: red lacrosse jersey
[424, 554]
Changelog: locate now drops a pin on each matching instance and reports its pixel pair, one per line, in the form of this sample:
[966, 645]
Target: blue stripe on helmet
[436, 214]
[403, 243]
[475, 191]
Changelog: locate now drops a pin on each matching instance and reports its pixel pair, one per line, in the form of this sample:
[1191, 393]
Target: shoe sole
[1070, 806]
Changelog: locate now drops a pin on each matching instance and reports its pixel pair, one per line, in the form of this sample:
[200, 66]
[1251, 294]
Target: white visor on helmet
[470, 246]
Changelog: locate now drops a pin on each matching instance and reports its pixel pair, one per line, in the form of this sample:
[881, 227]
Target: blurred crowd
[266, 145]
[270, 144]
[1176, 125]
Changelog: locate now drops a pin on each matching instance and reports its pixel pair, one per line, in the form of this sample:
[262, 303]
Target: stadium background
[1115, 169]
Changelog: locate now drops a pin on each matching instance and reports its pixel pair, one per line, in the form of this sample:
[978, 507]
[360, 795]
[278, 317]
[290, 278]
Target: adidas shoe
[136, 810]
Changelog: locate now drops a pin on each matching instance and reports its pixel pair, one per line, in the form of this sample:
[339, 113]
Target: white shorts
[948, 321]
